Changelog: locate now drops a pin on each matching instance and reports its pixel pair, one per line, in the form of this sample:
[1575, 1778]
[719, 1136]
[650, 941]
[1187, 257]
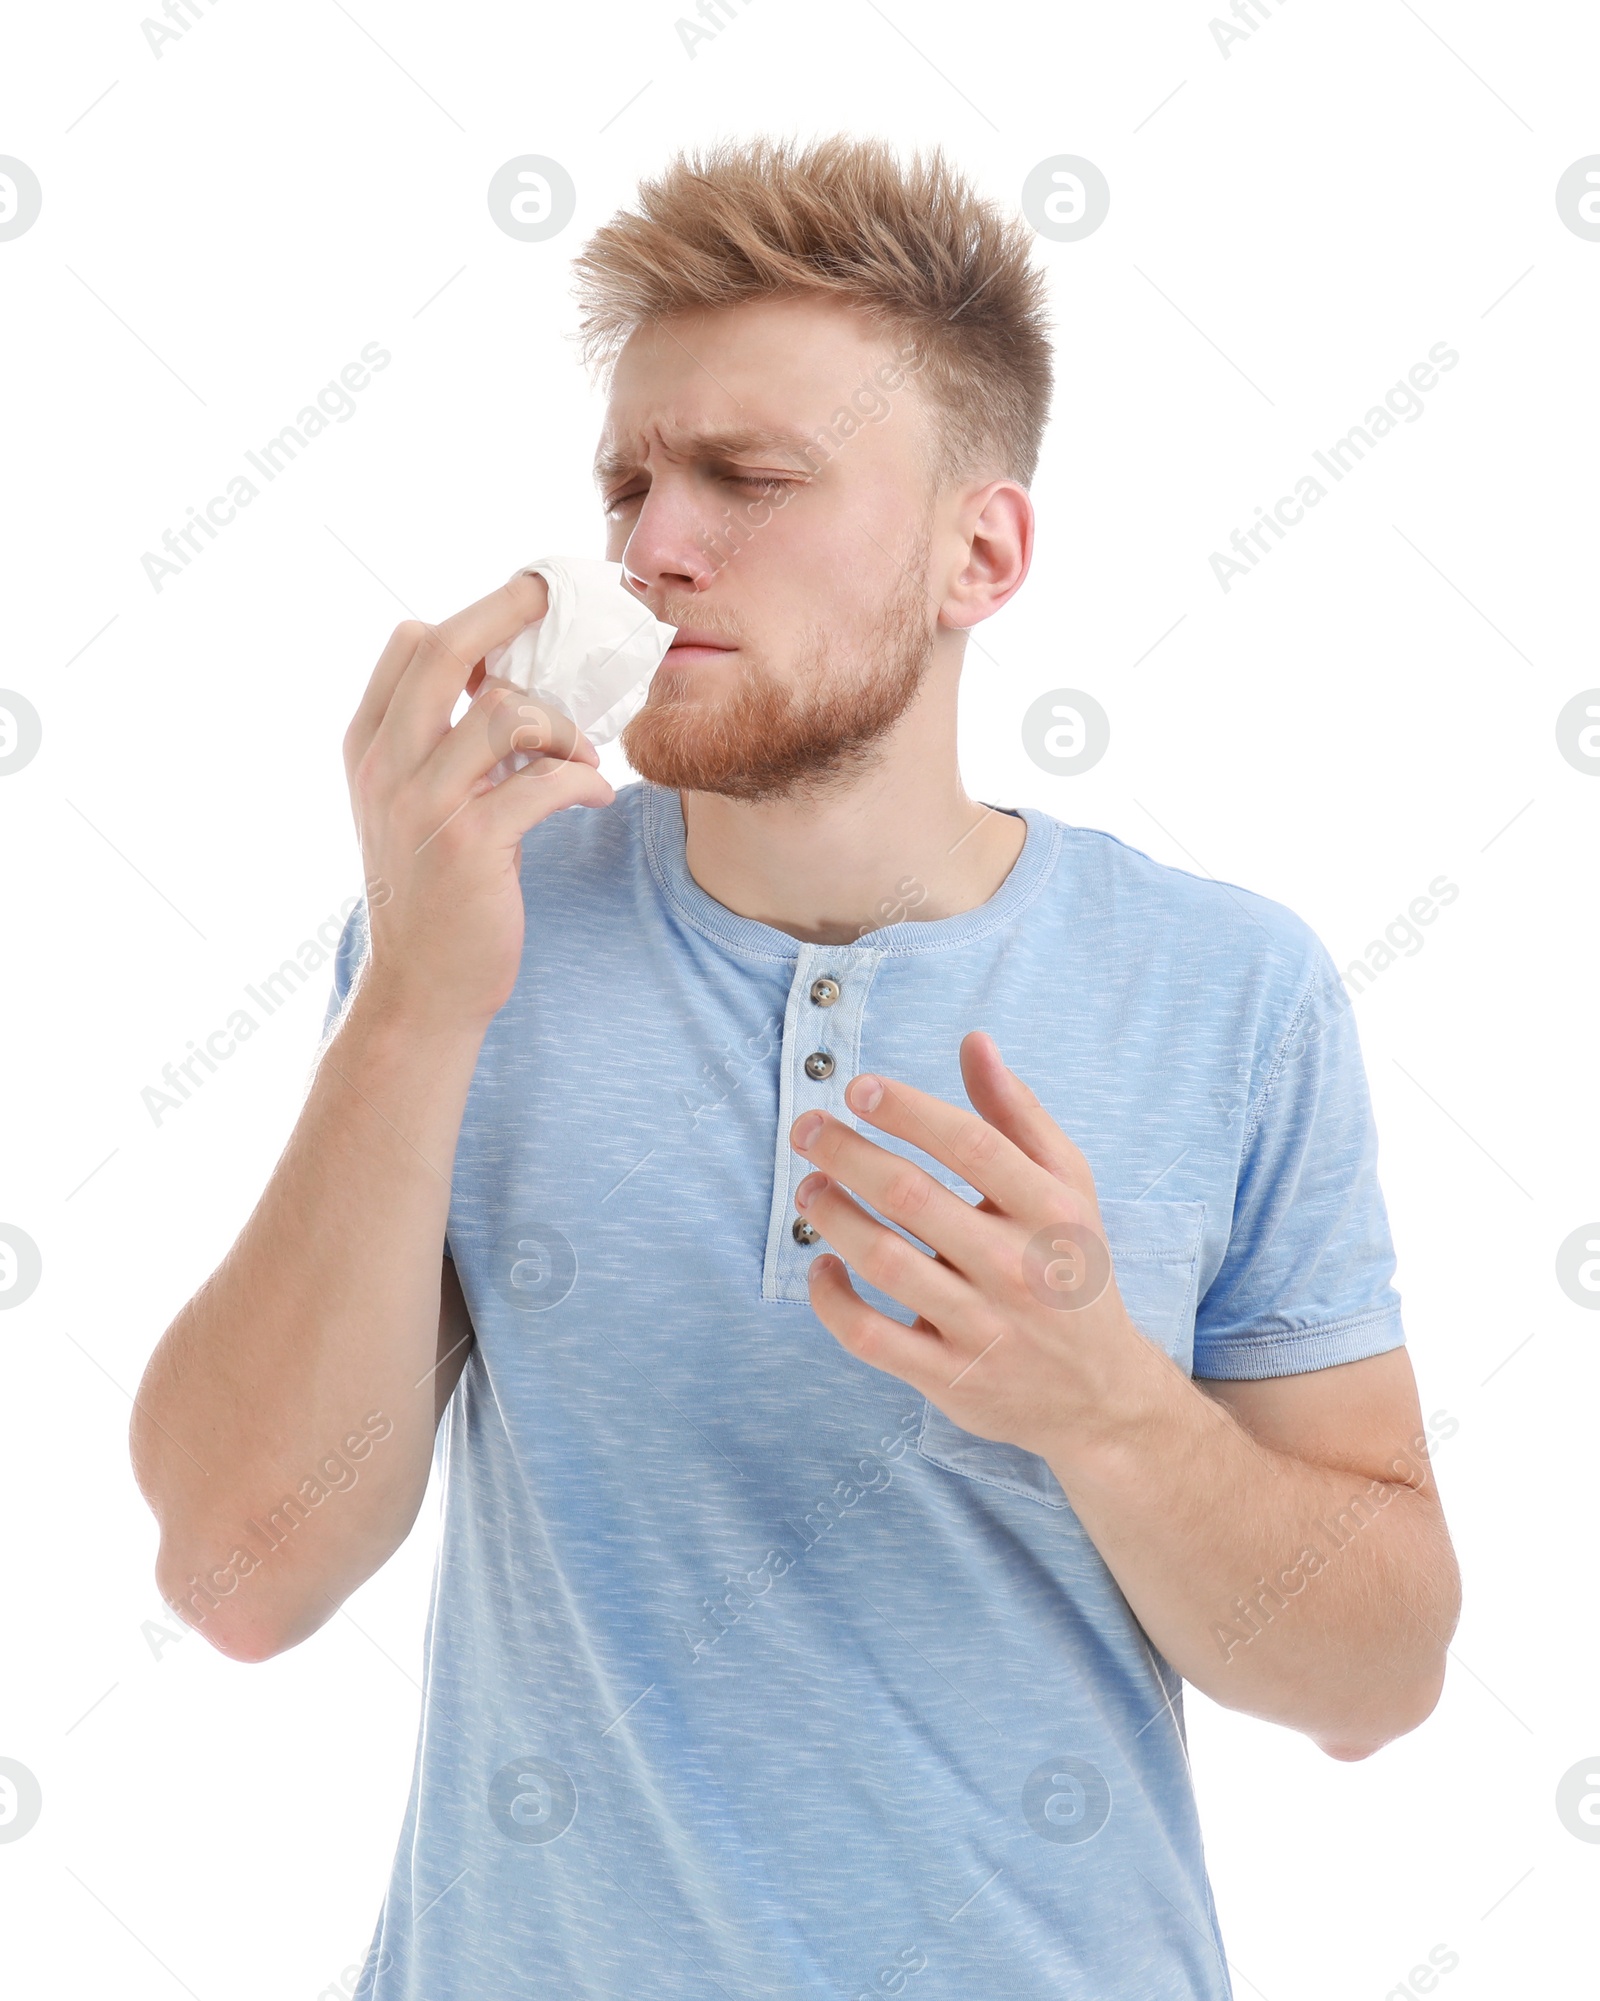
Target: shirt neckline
[666, 846]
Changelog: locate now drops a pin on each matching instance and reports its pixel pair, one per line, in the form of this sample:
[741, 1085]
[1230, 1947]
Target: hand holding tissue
[592, 656]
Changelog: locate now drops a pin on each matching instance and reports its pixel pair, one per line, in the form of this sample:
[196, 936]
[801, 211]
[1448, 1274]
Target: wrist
[398, 1019]
[1134, 1411]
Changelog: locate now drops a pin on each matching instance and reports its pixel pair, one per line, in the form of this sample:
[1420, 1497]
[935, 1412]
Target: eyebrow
[612, 464]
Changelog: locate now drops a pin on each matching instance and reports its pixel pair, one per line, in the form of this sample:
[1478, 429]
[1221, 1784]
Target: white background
[1292, 226]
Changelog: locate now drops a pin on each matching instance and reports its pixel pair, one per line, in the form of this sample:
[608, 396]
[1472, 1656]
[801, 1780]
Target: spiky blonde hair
[911, 246]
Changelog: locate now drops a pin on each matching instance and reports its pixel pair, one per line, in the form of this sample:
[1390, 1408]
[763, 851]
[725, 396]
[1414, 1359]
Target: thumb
[1001, 1099]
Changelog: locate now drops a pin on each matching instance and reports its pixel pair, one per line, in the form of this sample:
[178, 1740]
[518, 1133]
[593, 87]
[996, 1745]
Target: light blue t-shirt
[748, 1672]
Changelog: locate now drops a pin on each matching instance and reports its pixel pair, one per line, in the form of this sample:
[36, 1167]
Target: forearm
[325, 1311]
[1314, 1596]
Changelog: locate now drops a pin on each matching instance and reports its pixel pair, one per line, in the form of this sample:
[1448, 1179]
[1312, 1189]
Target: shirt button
[819, 1064]
[824, 992]
[802, 1231]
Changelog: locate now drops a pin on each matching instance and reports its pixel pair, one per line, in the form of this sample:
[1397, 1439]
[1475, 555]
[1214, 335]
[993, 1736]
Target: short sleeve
[1305, 1281]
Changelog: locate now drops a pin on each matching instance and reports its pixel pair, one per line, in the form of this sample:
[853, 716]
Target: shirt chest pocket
[1155, 1254]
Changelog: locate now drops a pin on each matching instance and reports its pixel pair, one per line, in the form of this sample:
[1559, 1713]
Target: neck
[900, 840]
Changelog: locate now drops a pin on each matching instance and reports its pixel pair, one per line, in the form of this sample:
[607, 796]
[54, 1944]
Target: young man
[914, 1282]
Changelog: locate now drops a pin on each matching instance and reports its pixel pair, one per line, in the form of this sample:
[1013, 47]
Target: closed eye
[755, 483]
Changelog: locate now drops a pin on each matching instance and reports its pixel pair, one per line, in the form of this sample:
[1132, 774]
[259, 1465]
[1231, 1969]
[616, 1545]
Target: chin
[765, 738]
[686, 762]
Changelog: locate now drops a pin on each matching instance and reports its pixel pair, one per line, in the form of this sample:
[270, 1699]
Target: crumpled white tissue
[592, 655]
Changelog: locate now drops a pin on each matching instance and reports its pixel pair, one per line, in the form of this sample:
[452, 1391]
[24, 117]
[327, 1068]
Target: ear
[1002, 1100]
[997, 524]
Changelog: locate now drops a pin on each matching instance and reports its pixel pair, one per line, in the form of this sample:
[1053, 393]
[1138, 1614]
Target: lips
[691, 647]
[691, 640]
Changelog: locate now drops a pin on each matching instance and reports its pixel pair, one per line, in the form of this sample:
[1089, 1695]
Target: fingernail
[806, 1129]
[865, 1093]
[810, 1187]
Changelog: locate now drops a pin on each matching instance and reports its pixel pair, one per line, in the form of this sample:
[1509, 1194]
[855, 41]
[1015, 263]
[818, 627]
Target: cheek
[806, 589]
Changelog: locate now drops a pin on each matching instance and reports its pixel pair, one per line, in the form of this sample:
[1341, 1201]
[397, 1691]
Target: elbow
[227, 1620]
[1413, 1694]
[1347, 1750]
[1350, 1748]
[243, 1640]
[1351, 1740]
[244, 1644]
[250, 1642]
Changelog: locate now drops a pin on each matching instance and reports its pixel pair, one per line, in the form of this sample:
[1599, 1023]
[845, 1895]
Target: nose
[668, 549]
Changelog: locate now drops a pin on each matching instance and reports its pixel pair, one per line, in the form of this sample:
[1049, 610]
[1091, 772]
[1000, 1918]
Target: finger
[502, 719]
[965, 1143]
[519, 802]
[1004, 1101]
[392, 663]
[911, 1353]
[885, 1259]
[407, 706]
[527, 603]
[901, 1190]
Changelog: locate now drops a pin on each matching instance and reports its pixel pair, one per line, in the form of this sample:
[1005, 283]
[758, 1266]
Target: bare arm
[283, 1433]
[316, 1356]
[1281, 1542]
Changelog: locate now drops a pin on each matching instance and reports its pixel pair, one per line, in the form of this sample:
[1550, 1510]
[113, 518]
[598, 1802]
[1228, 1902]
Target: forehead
[759, 376]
